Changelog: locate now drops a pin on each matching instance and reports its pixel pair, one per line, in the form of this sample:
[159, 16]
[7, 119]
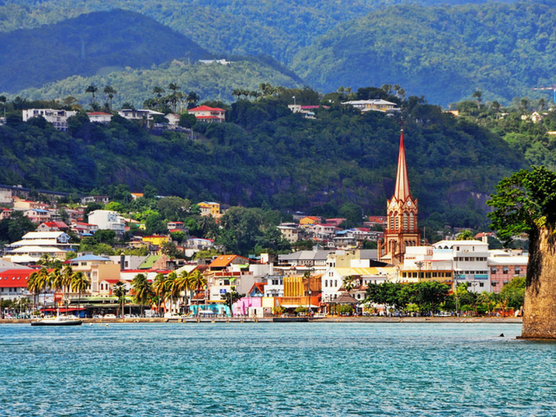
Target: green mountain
[444, 53]
[268, 157]
[92, 43]
[277, 28]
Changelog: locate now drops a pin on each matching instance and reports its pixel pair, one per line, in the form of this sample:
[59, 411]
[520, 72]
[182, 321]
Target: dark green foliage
[342, 164]
[427, 295]
[86, 45]
[14, 227]
[524, 203]
[445, 53]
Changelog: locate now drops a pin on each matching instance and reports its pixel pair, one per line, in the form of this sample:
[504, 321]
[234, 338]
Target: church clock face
[409, 204]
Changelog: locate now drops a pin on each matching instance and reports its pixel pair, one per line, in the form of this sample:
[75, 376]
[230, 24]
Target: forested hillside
[87, 45]
[268, 157]
[278, 28]
[445, 53]
[209, 81]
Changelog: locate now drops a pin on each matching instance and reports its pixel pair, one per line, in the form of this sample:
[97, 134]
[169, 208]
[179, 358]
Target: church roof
[402, 181]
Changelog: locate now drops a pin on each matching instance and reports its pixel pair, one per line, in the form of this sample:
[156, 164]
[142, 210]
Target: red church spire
[402, 181]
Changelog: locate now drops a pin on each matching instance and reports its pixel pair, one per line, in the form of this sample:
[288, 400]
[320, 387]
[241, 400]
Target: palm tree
[79, 284]
[192, 99]
[120, 291]
[92, 89]
[110, 93]
[159, 288]
[4, 100]
[142, 288]
[172, 288]
[34, 285]
[348, 283]
[197, 281]
[183, 284]
[43, 281]
[478, 95]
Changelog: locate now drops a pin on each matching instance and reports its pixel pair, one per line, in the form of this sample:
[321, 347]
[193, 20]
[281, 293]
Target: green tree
[92, 90]
[79, 284]
[143, 289]
[120, 291]
[110, 92]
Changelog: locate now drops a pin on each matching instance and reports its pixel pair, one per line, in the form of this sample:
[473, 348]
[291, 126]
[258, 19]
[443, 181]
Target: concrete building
[108, 220]
[58, 118]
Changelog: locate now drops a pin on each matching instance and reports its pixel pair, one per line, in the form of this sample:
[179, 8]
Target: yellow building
[209, 209]
[156, 240]
[309, 220]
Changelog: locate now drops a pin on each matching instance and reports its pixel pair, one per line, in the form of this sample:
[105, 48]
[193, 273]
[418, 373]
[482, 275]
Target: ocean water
[272, 369]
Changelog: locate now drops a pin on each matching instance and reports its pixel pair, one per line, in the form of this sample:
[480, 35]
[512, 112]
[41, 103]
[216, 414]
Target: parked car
[109, 316]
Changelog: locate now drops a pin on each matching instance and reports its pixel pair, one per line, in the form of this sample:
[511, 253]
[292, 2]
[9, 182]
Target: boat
[57, 321]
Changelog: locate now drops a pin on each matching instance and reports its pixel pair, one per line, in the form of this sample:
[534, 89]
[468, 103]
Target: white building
[107, 220]
[99, 117]
[373, 105]
[33, 245]
[58, 118]
[470, 262]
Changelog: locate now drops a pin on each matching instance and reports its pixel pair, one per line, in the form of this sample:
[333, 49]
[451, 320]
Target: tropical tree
[120, 292]
[349, 283]
[172, 288]
[526, 203]
[49, 261]
[42, 281]
[197, 282]
[230, 297]
[110, 92]
[92, 89]
[478, 95]
[159, 289]
[34, 285]
[192, 99]
[183, 282]
[79, 284]
[142, 288]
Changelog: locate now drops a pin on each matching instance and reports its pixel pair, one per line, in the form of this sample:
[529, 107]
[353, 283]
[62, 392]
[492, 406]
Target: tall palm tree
[79, 284]
[142, 288]
[183, 284]
[197, 281]
[172, 288]
[110, 93]
[120, 291]
[92, 89]
[159, 288]
[43, 281]
[34, 285]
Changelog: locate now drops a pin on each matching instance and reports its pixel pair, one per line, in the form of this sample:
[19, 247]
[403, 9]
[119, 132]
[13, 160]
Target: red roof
[15, 278]
[259, 286]
[98, 113]
[205, 108]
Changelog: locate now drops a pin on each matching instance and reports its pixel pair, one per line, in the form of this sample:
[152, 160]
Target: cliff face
[539, 316]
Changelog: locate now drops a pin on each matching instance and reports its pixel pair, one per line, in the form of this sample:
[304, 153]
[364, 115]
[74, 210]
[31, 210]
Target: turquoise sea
[271, 369]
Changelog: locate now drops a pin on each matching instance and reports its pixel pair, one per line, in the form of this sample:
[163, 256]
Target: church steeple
[402, 181]
[402, 212]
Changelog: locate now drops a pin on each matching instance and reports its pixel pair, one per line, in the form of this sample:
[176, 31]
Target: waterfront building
[13, 284]
[210, 208]
[402, 210]
[504, 266]
[96, 269]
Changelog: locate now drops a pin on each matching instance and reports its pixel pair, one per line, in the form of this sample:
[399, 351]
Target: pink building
[504, 266]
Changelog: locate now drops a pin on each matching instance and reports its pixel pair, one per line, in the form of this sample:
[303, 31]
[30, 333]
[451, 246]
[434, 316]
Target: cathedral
[402, 210]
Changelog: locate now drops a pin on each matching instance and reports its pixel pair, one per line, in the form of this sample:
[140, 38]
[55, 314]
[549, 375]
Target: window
[326, 283]
[493, 270]
[505, 270]
[493, 283]
[517, 270]
[481, 284]
[335, 283]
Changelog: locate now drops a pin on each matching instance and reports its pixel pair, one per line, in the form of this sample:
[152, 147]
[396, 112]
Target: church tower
[401, 216]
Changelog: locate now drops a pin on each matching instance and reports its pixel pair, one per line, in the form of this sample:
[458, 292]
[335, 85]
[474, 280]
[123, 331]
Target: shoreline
[195, 320]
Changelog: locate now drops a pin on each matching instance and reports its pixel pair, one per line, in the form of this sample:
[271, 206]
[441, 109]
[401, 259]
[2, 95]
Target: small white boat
[57, 321]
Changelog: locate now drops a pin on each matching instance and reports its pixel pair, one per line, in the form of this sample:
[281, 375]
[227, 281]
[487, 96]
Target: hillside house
[58, 118]
[209, 114]
[99, 117]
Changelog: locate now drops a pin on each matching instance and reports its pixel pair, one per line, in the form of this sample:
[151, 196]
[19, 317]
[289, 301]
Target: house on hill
[209, 114]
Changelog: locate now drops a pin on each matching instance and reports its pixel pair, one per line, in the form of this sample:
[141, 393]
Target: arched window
[405, 225]
[411, 221]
